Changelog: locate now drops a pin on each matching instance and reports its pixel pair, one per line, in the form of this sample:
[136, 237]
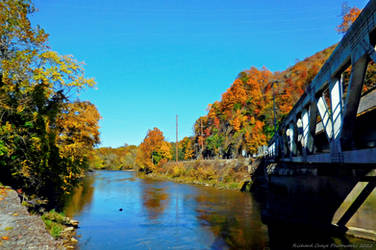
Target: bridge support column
[306, 134]
[336, 103]
[312, 124]
[325, 117]
[292, 136]
[352, 101]
[336, 92]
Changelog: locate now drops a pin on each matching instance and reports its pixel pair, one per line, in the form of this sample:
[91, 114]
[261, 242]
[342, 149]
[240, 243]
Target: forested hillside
[242, 120]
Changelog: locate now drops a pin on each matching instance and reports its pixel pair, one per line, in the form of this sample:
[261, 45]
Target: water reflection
[162, 215]
[154, 198]
[81, 195]
[234, 225]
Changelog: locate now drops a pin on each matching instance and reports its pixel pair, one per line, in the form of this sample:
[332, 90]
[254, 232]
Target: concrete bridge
[327, 143]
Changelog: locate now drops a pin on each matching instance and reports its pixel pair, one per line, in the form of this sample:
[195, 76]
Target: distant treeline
[121, 158]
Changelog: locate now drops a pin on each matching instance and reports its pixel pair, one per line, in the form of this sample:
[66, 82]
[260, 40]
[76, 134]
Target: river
[117, 210]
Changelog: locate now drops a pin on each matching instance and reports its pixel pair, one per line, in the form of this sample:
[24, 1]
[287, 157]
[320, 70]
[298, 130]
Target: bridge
[327, 143]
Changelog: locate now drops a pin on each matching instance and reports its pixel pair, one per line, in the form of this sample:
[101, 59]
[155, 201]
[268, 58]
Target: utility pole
[275, 117]
[177, 142]
[274, 110]
[202, 138]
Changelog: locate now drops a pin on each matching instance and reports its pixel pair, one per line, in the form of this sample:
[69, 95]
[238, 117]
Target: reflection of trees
[235, 221]
[81, 195]
[154, 199]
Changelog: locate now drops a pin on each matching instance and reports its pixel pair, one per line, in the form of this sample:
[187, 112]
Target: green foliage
[35, 110]
[181, 151]
[57, 217]
[54, 222]
[214, 143]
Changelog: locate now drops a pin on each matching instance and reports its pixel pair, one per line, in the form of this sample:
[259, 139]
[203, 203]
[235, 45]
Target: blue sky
[155, 59]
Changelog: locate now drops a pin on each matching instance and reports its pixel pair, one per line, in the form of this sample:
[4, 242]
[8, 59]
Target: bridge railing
[333, 103]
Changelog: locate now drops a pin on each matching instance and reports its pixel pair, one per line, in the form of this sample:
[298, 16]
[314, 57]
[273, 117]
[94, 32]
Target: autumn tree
[35, 86]
[349, 15]
[153, 151]
[187, 148]
[78, 131]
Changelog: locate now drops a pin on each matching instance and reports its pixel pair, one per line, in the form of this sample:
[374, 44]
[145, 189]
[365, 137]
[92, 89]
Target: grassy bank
[223, 174]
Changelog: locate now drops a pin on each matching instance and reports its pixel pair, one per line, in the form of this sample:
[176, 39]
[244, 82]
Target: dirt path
[19, 229]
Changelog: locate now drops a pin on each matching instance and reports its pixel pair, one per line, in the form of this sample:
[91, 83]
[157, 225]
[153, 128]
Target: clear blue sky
[155, 59]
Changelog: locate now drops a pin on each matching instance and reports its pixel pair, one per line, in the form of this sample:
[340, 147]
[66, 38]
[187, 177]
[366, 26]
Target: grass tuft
[54, 222]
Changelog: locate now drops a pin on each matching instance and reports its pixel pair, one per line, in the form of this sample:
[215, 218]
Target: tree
[153, 151]
[214, 144]
[78, 133]
[36, 84]
[349, 15]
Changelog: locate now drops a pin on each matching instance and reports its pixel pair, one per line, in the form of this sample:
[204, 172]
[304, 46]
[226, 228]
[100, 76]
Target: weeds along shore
[223, 174]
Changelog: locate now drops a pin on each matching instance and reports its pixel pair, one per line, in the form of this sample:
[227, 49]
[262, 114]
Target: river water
[117, 210]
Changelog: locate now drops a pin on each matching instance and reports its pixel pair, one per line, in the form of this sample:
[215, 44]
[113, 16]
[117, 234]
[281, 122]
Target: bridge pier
[356, 204]
[306, 197]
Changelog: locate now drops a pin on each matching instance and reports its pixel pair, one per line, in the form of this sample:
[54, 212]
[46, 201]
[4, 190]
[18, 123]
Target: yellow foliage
[165, 150]
[79, 130]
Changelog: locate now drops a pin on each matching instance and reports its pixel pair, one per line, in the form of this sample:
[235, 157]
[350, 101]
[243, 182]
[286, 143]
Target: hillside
[242, 120]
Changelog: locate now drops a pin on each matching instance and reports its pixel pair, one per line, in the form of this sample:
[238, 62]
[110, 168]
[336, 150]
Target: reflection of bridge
[327, 143]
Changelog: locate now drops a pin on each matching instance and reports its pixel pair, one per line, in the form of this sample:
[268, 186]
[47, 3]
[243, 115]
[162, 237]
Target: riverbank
[21, 230]
[222, 174]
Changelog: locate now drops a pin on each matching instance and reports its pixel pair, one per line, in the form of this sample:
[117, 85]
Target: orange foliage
[257, 83]
[347, 19]
[244, 116]
[256, 138]
[216, 122]
[235, 94]
[239, 121]
[153, 151]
